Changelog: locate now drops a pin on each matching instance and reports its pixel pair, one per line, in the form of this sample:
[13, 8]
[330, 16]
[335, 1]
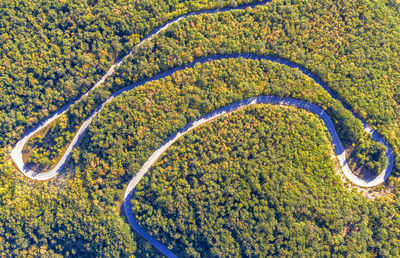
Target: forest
[146, 116]
[369, 154]
[259, 182]
[191, 39]
[50, 53]
[53, 51]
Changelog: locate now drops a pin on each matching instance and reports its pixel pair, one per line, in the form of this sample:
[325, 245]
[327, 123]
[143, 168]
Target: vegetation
[53, 51]
[303, 32]
[45, 149]
[260, 182]
[368, 153]
[122, 138]
[58, 218]
[367, 159]
[351, 46]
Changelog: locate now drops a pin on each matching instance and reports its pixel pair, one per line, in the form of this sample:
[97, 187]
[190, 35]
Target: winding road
[338, 147]
[16, 153]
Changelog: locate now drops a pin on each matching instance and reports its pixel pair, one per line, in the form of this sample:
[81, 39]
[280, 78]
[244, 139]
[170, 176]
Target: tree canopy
[53, 51]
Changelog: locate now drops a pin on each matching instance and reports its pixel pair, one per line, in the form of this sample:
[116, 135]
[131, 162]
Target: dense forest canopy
[324, 37]
[145, 117]
[53, 51]
[42, 149]
[57, 219]
[259, 182]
